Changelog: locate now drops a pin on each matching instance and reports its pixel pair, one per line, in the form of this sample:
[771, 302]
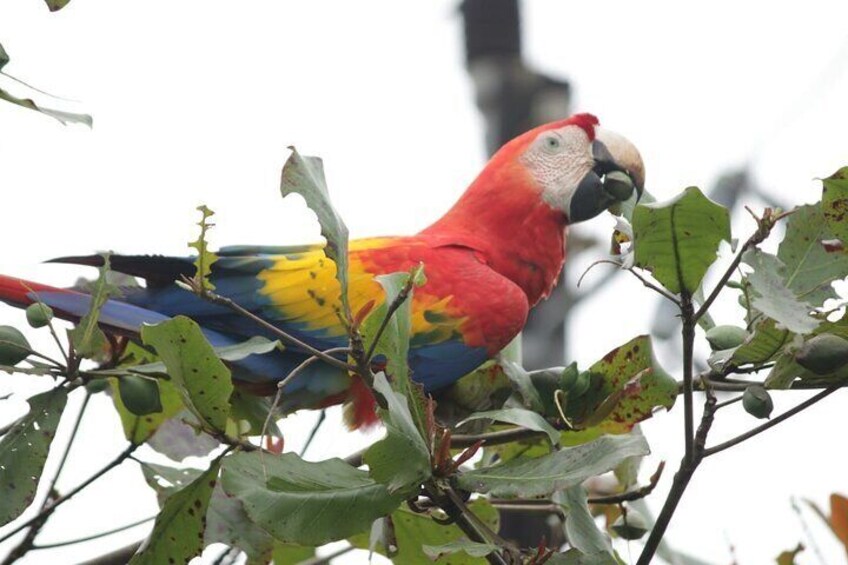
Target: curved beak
[618, 173]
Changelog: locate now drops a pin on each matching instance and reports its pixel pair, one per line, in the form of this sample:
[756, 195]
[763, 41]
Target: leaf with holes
[677, 240]
[24, 449]
[202, 379]
[177, 535]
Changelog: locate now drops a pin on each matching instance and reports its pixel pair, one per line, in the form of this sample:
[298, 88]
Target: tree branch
[46, 512]
[771, 423]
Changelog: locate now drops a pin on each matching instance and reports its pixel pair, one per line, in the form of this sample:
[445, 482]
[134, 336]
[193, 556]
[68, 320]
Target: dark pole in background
[514, 99]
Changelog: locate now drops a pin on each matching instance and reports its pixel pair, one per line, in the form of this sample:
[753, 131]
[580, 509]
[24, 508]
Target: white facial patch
[558, 160]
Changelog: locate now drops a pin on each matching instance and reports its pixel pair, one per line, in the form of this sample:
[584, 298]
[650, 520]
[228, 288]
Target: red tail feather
[19, 292]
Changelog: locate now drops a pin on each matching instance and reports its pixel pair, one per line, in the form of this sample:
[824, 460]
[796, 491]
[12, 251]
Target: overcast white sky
[194, 102]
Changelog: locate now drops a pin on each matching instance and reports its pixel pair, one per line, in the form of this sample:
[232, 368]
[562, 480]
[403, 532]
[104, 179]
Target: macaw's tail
[319, 386]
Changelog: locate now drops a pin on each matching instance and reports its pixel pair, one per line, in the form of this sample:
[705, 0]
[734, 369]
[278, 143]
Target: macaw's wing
[465, 313]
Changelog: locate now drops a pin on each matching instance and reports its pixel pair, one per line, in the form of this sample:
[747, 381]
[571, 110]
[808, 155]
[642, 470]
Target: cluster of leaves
[420, 497]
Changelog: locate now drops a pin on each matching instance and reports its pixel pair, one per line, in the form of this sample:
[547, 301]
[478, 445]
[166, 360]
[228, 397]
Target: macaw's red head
[577, 167]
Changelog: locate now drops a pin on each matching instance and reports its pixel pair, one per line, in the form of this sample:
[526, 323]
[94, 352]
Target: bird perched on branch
[495, 254]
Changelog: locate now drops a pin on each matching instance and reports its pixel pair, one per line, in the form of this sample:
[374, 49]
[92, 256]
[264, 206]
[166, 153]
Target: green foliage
[305, 176]
[14, 346]
[835, 203]
[519, 417]
[205, 258]
[24, 449]
[301, 502]
[177, 535]
[401, 460]
[394, 339]
[472, 548]
[581, 531]
[87, 338]
[139, 429]
[773, 297]
[557, 471]
[412, 531]
[677, 240]
[201, 378]
[56, 5]
[626, 386]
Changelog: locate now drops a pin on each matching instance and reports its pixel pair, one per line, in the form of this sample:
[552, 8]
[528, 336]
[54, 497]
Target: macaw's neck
[503, 218]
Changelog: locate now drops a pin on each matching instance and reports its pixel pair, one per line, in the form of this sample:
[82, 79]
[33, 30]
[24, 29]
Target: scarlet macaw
[495, 254]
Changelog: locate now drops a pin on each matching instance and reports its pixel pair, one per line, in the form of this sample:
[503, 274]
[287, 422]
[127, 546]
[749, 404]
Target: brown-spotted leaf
[626, 386]
[839, 517]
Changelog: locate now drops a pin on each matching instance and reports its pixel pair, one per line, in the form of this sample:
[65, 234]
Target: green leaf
[179, 437]
[576, 557]
[519, 417]
[56, 5]
[562, 469]
[401, 460]
[304, 503]
[412, 531]
[139, 429]
[394, 341]
[677, 240]
[305, 176]
[523, 384]
[256, 345]
[772, 296]
[627, 385]
[472, 548]
[24, 449]
[202, 380]
[834, 202]
[87, 337]
[4, 57]
[177, 535]
[581, 531]
[63, 117]
[766, 342]
[810, 269]
[205, 258]
[228, 523]
[291, 554]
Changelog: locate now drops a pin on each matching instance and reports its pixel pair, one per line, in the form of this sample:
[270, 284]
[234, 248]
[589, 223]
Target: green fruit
[726, 337]
[757, 401]
[39, 315]
[634, 527]
[823, 354]
[618, 185]
[140, 395]
[14, 347]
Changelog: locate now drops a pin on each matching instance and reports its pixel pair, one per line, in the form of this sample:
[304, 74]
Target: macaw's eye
[552, 143]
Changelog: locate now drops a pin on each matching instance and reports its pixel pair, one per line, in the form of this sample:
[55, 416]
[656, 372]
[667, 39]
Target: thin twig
[64, 498]
[294, 373]
[229, 303]
[661, 291]
[771, 423]
[764, 227]
[390, 311]
[321, 417]
[94, 536]
[686, 310]
[631, 495]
